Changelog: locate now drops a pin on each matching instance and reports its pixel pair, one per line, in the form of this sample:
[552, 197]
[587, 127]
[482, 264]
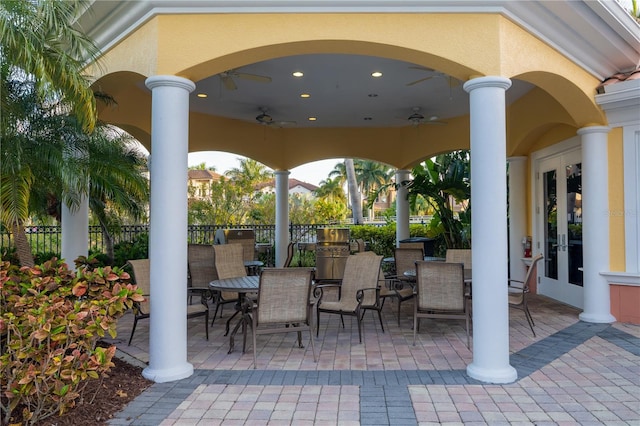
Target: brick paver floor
[572, 373]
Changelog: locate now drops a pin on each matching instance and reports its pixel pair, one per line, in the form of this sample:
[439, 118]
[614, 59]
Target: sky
[311, 173]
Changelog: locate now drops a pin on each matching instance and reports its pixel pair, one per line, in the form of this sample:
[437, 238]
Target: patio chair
[406, 258]
[290, 251]
[141, 275]
[518, 293]
[459, 256]
[440, 294]
[283, 305]
[202, 270]
[358, 291]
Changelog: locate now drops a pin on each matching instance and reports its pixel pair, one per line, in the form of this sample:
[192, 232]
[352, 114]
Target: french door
[559, 225]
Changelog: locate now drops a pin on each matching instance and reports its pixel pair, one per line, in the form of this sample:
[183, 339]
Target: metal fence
[47, 239]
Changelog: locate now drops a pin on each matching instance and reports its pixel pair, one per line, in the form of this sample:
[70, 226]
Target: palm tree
[39, 39]
[249, 173]
[374, 178]
[352, 185]
[42, 57]
[331, 189]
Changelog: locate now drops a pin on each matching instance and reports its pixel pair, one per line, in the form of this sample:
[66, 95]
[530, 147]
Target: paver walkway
[573, 373]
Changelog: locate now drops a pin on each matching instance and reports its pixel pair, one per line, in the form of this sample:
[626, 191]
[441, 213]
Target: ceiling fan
[266, 120]
[416, 118]
[227, 78]
[453, 82]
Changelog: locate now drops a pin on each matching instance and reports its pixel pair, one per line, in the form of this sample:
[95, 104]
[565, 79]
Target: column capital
[170, 81]
[489, 81]
[282, 172]
[593, 129]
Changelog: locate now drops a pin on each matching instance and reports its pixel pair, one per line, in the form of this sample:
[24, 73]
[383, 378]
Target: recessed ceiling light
[298, 73]
[202, 95]
[372, 95]
[313, 118]
[368, 118]
[376, 74]
[305, 95]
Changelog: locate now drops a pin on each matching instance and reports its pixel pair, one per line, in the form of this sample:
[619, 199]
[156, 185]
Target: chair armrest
[318, 290]
[360, 293]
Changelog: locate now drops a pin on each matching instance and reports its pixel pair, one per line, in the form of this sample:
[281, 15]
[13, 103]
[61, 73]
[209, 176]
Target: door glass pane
[574, 222]
[551, 225]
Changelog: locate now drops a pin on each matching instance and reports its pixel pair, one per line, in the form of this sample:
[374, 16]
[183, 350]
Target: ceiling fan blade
[228, 82]
[254, 77]
[419, 81]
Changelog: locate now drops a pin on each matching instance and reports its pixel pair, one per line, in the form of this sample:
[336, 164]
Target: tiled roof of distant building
[203, 175]
[292, 184]
[617, 78]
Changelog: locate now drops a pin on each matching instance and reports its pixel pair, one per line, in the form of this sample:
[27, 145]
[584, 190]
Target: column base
[597, 318]
[492, 375]
[168, 374]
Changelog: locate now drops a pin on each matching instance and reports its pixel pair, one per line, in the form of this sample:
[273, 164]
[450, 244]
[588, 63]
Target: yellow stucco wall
[616, 201]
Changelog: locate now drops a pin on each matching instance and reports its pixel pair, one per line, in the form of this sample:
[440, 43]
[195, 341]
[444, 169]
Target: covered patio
[514, 85]
[572, 372]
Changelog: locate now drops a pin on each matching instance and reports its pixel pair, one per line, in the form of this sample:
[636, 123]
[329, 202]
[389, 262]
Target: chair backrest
[283, 295]
[141, 275]
[406, 258]
[201, 261]
[229, 261]
[414, 245]
[440, 286]
[290, 251]
[532, 273]
[459, 256]
[361, 271]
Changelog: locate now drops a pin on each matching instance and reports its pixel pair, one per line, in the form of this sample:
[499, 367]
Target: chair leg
[359, 325]
[300, 339]
[529, 319]
[255, 357]
[342, 319]
[133, 330]
[415, 328]
[313, 348]
[399, 304]
[206, 323]
[380, 318]
[215, 314]
[317, 322]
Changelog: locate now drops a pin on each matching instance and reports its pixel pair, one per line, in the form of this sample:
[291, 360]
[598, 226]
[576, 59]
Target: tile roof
[292, 184]
[617, 78]
[203, 175]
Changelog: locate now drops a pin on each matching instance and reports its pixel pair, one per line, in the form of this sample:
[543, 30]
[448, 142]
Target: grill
[332, 250]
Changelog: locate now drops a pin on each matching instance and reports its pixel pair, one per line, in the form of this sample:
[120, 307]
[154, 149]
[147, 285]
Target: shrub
[51, 319]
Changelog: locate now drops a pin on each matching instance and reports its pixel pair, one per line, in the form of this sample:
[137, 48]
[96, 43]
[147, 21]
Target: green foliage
[51, 321]
[441, 181]
[128, 250]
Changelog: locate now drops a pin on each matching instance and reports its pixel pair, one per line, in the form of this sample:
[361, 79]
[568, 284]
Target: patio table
[242, 286]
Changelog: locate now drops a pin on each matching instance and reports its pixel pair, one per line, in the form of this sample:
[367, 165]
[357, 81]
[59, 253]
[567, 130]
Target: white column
[282, 216]
[402, 206]
[489, 230]
[75, 231]
[517, 215]
[168, 229]
[595, 224]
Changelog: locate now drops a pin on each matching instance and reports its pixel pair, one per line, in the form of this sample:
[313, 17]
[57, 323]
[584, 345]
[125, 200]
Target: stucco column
[75, 231]
[595, 224]
[168, 229]
[402, 206]
[517, 215]
[489, 230]
[282, 216]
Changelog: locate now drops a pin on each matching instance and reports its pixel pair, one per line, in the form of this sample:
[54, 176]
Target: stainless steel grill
[332, 250]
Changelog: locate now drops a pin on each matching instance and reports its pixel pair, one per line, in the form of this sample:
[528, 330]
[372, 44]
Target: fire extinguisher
[527, 247]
